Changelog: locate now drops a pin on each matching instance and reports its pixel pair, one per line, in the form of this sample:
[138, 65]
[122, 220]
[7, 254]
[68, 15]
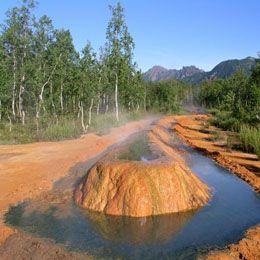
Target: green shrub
[226, 121]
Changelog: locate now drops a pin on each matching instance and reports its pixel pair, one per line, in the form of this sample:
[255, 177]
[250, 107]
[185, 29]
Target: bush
[226, 121]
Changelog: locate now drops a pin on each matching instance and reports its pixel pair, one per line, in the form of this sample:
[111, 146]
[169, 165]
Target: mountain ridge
[192, 74]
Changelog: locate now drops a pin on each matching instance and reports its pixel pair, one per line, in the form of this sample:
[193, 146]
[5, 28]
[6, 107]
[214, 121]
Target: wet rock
[138, 189]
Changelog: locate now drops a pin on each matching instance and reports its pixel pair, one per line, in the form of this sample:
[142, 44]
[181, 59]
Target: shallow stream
[234, 207]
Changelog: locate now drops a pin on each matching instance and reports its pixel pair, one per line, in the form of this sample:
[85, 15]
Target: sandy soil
[196, 132]
[28, 170]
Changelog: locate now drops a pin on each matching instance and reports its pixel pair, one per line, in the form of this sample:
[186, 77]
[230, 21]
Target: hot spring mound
[138, 189]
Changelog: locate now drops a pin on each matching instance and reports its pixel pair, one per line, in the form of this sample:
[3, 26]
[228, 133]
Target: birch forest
[45, 83]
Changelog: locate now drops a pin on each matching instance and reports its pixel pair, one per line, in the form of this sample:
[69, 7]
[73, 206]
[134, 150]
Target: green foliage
[235, 100]
[166, 96]
[224, 120]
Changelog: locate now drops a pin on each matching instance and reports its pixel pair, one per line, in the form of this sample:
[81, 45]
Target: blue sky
[171, 33]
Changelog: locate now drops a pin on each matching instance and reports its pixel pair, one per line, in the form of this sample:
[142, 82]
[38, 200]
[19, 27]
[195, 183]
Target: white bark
[138, 106]
[82, 119]
[23, 117]
[22, 89]
[14, 83]
[116, 98]
[61, 96]
[90, 112]
[84, 127]
[79, 111]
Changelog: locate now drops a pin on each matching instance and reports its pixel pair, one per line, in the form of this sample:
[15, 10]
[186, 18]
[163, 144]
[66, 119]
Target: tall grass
[250, 138]
[64, 127]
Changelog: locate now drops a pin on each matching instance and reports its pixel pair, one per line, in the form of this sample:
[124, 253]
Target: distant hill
[157, 73]
[193, 74]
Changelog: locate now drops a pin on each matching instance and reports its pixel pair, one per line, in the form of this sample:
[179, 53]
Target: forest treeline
[47, 86]
[235, 102]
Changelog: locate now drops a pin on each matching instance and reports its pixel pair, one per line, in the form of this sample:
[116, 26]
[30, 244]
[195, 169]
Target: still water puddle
[234, 208]
[138, 149]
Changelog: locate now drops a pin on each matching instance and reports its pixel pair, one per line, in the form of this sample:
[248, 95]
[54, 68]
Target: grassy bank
[250, 138]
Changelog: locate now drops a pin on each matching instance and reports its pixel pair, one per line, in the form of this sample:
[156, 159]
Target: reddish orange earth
[139, 189]
[27, 170]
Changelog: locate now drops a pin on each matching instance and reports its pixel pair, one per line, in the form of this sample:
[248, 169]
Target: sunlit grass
[250, 138]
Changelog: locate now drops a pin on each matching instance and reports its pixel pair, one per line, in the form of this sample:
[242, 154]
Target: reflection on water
[234, 208]
[45, 220]
[139, 231]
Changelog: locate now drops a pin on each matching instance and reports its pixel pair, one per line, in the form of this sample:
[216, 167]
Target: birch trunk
[138, 106]
[82, 118]
[22, 88]
[107, 100]
[90, 112]
[41, 101]
[52, 102]
[61, 96]
[79, 111]
[14, 83]
[20, 100]
[98, 104]
[116, 98]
